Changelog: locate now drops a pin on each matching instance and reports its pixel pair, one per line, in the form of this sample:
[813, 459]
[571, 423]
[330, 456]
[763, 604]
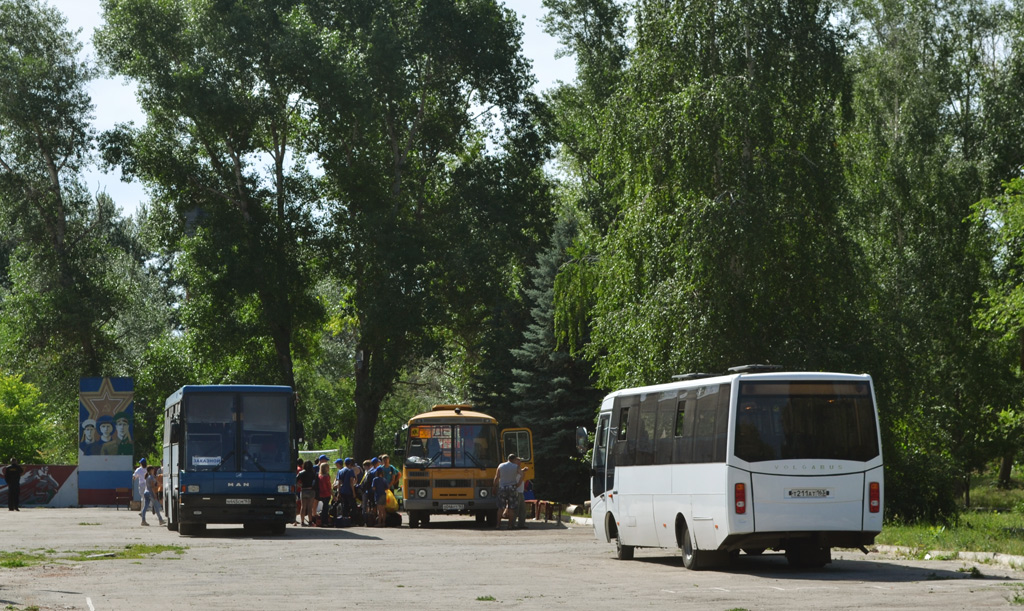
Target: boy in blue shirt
[380, 484]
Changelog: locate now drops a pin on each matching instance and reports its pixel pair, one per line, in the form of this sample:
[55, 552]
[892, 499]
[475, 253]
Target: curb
[1013, 562]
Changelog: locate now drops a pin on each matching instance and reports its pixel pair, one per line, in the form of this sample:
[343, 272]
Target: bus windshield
[453, 445]
[798, 420]
[228, 432]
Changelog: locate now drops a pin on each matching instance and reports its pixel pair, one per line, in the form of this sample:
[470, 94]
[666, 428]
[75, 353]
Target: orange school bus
[450, 455]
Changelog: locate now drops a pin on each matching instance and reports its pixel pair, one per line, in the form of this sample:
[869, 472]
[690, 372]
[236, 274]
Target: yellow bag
[392, 504]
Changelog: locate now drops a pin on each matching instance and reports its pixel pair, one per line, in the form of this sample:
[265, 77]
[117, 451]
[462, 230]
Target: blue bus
[229, 457]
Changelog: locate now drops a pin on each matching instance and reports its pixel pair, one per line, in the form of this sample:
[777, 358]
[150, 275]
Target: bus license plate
[452, 507]
[808, 493]
[239, 501]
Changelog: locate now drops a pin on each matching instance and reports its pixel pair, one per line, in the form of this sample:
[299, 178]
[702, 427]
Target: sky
[114, 100]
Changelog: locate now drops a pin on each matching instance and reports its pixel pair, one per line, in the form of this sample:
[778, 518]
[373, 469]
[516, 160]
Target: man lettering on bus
[506, 479]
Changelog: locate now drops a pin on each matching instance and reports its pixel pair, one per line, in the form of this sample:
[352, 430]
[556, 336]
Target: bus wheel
[492, 518]
[172, 516]
[693, 557]
[186, 529]
[277, 528]
[622, 552]
[414, 519]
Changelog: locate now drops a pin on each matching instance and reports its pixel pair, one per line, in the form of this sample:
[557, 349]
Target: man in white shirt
[506, 479]
[139, 478]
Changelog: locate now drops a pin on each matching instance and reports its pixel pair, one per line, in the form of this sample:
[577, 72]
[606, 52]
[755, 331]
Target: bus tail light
[874, 497]
[741, 499]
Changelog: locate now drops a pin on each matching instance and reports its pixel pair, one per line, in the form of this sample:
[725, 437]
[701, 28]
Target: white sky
[114, 100]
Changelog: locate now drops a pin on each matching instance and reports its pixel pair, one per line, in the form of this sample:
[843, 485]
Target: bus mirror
[301, 432]
[582, 441]
[399, 446]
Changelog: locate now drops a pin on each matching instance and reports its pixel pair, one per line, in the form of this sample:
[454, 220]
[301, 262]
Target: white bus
[747, 461]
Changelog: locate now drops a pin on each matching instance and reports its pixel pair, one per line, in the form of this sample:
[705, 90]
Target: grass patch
[975, 532]
[487, 598]
[1017, 598]
[129, 552]
[14, 560]
[17, 560]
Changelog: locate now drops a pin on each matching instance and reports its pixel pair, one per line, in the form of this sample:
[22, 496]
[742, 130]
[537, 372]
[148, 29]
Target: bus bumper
[451, 505]
[237, 509]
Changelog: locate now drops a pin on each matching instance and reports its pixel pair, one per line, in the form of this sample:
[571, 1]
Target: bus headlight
[193, 488]
[421, 493]
[483, 493]
[284, 488]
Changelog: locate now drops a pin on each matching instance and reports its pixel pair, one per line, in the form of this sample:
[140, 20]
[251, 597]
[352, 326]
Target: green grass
[995, 523]
[975, 532]
[487, 598]
[14, 560]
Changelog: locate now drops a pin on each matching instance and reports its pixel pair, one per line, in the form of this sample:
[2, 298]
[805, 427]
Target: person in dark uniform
[12, 475]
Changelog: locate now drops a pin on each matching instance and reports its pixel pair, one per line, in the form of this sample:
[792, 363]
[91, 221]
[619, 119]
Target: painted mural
[106, 434]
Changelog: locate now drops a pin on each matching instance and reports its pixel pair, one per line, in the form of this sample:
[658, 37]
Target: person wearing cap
[139, 478]
[122, 426]
[346, 486]
[90, 443]
[506, 479]
[105, 427]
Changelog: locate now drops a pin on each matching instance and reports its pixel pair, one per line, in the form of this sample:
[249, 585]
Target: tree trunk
[1005, 470]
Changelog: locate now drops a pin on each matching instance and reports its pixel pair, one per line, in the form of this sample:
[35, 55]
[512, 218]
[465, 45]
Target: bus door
[600, 472]
[520, 443]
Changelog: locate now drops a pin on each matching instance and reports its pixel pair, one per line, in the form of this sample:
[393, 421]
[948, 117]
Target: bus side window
[664, 428]
[722, 422]
[624, 452]
[645, 430]
[683, 451]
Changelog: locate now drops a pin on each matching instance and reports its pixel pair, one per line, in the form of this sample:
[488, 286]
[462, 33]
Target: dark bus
[229, 457]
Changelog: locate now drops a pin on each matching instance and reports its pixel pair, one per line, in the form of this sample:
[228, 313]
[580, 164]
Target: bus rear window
[805, 420]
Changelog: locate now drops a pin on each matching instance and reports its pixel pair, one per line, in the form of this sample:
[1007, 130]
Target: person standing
[307, 479]
[347, 487]
[520, 492]
[12, 475]
[140, 482]
[506, 479]
[323, 491]
[393, 472]
[151, 496]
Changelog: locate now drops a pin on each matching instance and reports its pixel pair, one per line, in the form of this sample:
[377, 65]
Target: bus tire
[694, 558]
[172, 515]
[622, 552]
[414, 519]
[492, 518]
[277, 528]
[187, 529]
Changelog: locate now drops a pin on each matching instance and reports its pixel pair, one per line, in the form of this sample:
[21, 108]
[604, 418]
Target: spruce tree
[554, 390]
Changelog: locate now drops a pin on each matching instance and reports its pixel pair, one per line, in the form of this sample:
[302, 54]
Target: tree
[222, 149]
[26, 431]
[554, 390]
[434, 208]
[66, 251]
[915, 163]
[725, 245]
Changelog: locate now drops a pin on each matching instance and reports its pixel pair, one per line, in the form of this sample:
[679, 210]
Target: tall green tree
[554, 390]
[70, 258]
[222, 149]
[725, 245]
[435, 206]
[915, 163]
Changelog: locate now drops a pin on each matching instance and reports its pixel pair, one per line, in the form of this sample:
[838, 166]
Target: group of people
[357, 492]
[150, 485]
[510, 486]
[107, 436]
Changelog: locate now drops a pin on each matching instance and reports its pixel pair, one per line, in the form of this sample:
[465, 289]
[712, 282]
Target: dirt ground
[452, 565]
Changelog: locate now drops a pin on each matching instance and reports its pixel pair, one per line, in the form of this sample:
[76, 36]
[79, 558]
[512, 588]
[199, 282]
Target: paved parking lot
[452, 565]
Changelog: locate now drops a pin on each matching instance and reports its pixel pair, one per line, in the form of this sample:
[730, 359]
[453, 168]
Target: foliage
[554, 391]
[26, 429]
[974, 532]
[434, 204]
[219, 107]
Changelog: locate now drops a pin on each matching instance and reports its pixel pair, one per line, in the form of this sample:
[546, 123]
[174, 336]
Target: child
[381, 482]
[151, 493]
